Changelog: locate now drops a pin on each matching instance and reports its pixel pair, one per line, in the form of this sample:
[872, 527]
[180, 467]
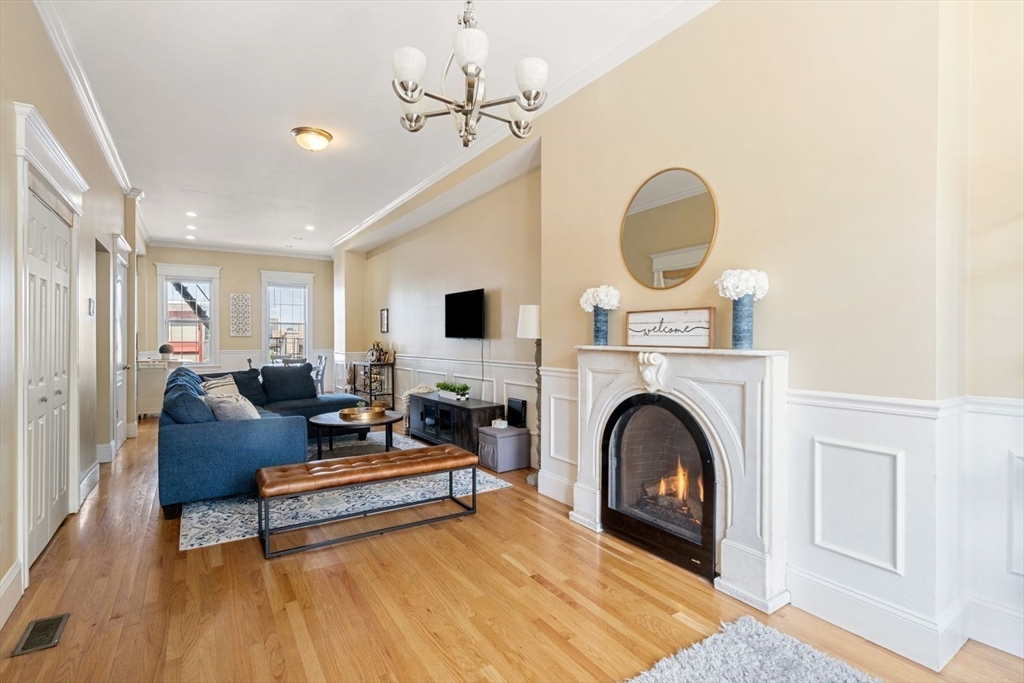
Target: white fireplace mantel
[739, 400]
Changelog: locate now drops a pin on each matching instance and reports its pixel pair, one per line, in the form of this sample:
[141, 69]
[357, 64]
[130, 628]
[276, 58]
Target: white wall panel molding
[905, 407]
[11, 590]
[865, 522]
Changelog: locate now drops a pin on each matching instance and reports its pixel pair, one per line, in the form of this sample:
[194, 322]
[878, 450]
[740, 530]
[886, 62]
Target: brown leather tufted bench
[289, 481]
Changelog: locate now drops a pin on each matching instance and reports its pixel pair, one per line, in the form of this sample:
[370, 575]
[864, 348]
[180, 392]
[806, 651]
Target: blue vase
[743, 322]
[600, 326]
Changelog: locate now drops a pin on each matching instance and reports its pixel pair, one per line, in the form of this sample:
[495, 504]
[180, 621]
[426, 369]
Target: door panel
[47, 319]
[120, 342]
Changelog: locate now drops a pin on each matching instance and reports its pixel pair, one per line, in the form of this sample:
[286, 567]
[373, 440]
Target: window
[188, 311]
[287, 304]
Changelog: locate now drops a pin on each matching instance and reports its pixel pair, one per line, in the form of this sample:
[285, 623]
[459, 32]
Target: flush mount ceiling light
[313, 139]
[469, 49]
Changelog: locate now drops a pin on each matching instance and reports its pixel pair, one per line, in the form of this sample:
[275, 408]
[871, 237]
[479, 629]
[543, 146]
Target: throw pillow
[220, 385]
[185, 407]
[248, 383]
[288, 382]
[232, 407]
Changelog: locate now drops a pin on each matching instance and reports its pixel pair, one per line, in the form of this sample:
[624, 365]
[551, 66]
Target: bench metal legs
[266, 530]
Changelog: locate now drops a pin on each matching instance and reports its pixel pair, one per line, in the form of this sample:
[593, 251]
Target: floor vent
[41, 634]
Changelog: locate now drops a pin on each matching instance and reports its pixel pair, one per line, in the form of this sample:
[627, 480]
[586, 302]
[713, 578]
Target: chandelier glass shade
[470, 48]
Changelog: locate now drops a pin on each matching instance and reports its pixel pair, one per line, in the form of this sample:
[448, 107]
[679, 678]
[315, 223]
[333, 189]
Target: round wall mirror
[669, 228]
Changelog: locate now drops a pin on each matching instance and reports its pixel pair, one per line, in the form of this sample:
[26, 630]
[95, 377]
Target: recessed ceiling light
[190, 227]
[288, 246]
[190, 237]
[191, 214]
[298, 239]
[313, 139]
[310, 228]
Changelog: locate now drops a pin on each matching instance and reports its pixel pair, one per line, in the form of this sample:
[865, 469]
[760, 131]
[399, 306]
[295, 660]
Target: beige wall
[240, 273]
[104, 348]
[30, 72]
[676, 225]
[996, 211]
[493, 243]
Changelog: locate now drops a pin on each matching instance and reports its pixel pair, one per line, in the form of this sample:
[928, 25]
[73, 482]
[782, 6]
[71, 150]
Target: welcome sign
[681, 327]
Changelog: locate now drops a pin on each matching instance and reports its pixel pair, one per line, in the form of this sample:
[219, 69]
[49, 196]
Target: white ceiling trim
[522, 161]
[662, 201]
[53, 22]
[231, 249]
[628, 48]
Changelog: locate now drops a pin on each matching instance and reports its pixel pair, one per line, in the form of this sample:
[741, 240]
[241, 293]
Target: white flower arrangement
[605, 296]
[736, 284]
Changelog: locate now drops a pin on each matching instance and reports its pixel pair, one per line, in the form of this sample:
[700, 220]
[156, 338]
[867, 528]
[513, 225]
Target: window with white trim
[187, 311]
[287, 309]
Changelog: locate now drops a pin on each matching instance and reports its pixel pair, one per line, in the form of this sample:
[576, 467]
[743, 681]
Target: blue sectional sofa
[200, 457]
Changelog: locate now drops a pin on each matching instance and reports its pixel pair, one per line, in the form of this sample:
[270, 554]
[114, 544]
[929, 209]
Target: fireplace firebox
[658, 479]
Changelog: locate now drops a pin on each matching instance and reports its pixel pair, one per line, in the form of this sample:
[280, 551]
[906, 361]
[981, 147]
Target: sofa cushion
[248, 383]
[184, 407]
[184, 383]
[288, 383]
[232, 407]
[183, 371]
[318, 405]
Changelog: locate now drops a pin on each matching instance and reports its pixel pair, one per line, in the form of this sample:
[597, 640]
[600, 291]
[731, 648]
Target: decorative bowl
[371, 413]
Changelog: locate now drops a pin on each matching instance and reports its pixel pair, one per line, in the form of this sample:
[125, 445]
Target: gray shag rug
[747, 651]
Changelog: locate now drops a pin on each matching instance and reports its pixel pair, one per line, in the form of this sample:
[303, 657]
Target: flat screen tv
[464, 315]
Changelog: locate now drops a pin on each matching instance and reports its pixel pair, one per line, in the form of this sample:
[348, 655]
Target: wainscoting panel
[559, 453]
[502, 379]
[862, 522]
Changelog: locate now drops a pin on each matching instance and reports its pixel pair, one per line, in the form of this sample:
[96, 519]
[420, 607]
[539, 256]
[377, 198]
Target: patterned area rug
[747, 651]
[222, 520]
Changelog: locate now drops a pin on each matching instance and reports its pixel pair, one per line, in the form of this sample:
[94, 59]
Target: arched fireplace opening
[658, 479]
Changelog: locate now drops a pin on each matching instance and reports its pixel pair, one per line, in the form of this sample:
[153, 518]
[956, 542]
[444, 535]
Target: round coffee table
[332, 421]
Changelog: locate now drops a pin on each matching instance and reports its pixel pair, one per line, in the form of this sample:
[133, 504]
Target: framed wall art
[240, 306]
[681, 327]
[384, 321]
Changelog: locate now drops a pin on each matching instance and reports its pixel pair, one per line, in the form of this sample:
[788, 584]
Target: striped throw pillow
[221, 385]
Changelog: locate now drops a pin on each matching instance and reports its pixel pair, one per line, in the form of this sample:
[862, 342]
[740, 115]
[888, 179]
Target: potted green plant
[165, 351]
[457, 391]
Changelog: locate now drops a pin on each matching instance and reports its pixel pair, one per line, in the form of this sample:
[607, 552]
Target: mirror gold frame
[711, 243]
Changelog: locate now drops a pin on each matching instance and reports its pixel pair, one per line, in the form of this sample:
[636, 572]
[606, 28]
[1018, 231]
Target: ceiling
[199, 99]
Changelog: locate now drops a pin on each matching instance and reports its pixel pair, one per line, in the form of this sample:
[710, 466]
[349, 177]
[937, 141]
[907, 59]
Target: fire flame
[661, 487]
[700, 484]
[681, 481]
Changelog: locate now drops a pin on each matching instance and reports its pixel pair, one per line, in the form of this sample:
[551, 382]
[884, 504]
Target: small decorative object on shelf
[600, 300]
[374, 380]
[165, 351]
[454, 390]
[744, 287]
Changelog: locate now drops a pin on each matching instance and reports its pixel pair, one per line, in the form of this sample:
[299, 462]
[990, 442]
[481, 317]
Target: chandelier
[469, 50]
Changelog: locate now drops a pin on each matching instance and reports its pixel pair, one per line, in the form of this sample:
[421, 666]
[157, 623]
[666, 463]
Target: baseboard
[105, 452]
[997, 625]
[90, 478]
[10, 591]
[931, 643]
[767, 606]
[555, 487]
[131, 430]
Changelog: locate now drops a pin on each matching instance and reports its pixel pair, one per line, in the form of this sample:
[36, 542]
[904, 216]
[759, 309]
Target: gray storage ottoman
[505, 449]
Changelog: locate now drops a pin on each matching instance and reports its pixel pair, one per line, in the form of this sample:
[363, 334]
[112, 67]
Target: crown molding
[628, 48]
[53, 21]
[662, 201]
[230, 249]
[134, 193]
[35, 142]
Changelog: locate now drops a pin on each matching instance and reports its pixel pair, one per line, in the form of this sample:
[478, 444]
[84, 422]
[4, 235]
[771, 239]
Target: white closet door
[120, 350]
[47, 256]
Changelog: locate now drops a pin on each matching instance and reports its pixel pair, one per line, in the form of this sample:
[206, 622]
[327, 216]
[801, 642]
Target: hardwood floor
[515, 593]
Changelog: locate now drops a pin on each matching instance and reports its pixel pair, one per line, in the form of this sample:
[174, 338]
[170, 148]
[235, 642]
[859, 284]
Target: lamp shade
[531, 74]
[529, 322]
[408, 65]
[470, 45]
[517, 113]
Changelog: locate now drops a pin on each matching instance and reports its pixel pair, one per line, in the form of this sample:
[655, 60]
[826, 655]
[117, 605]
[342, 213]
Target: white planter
[451, 395]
